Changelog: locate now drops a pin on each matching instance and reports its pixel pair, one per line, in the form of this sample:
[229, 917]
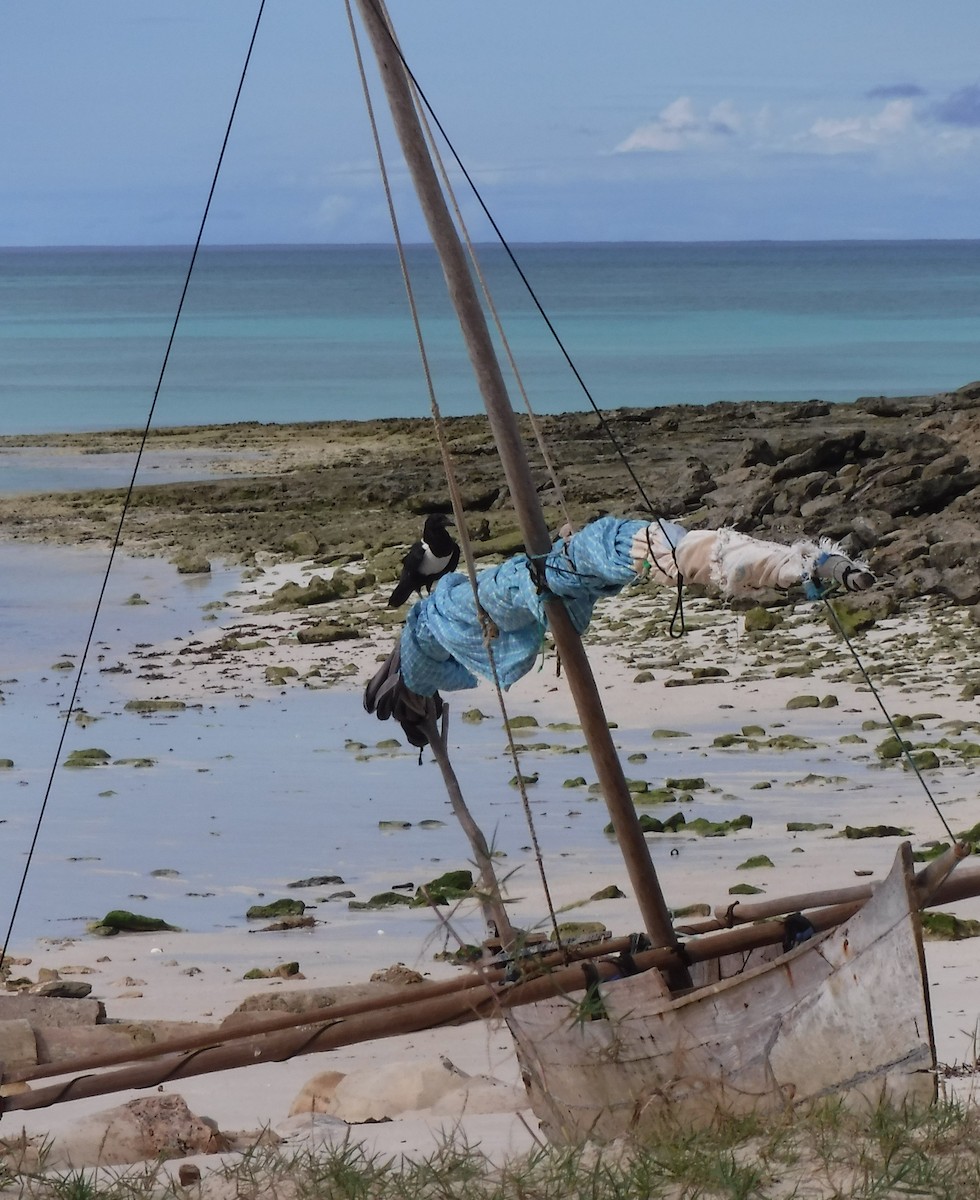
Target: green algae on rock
[790, 741]
[761, 620]
[525, 722]
[188, 563]
[612, 892]
[277, 675]
[283, 971]
[381, 900]
[874, 831]
[120, 920]
[93, 757]
[945, 927]
[276, 908]
[660, 796]
[451, 885]
[326, 632]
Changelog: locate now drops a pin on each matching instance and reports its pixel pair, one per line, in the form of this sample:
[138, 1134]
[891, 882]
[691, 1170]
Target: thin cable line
[492, 307]
[117, 537]
[604, 424]
[888, 717]
[524, 279]
[452, 482]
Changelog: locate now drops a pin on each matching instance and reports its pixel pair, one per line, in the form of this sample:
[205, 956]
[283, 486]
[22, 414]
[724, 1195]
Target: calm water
[312, 333]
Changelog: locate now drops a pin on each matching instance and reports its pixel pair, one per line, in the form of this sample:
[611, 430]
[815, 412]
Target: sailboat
[844, 1012]
[617, 1038]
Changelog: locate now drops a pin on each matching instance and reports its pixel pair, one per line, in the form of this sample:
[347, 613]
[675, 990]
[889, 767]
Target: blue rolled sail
[442, 644]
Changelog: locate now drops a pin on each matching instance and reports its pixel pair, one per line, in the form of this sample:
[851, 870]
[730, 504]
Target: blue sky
[632, 120]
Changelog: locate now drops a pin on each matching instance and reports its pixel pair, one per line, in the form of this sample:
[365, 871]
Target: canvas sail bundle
[443, 645]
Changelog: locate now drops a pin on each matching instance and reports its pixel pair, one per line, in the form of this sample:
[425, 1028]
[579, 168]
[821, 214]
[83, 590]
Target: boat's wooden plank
[846, 1013]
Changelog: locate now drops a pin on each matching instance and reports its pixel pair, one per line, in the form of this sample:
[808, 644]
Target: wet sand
[256, 785]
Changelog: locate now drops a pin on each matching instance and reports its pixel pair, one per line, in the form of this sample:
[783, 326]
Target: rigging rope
[504, 340]
[523, 277]
[424, 106]
[456, 498]
[127, 498]
[906, 753]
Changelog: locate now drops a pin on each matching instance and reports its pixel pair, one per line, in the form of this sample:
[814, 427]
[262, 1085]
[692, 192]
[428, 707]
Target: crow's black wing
[410, 580]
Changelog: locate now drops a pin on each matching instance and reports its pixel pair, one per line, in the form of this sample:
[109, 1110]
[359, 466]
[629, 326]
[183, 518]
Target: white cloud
[897, 133]
[845, 135]
[678, 127]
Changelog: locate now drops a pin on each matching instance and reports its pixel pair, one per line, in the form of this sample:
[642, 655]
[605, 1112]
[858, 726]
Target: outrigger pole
[473, 997]
[510, 447]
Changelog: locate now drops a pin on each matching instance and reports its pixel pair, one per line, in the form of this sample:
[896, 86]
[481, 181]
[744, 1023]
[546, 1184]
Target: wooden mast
[503, 423]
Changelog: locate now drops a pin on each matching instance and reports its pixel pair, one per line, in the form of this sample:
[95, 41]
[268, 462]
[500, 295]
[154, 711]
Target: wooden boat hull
[845, 1014]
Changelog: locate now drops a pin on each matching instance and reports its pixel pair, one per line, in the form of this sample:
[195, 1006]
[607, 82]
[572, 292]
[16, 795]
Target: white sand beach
[255, 785]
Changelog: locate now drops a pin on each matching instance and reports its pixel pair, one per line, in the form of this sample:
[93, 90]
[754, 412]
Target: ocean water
[321, 332]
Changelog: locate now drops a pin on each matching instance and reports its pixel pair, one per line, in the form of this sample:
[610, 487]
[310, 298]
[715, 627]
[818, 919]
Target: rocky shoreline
[895, 479]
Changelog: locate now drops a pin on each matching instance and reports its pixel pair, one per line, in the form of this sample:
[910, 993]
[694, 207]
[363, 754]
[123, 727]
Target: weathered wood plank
[844, 1014]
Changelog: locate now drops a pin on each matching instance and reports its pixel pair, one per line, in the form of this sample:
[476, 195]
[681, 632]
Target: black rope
[906, 754]
[117, 538]
[677, 628]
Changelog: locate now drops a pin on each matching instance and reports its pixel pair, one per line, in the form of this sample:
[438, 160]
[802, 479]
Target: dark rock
[872, 474]
[452, 885]
[47, 1012]
[67, 989]
[897, 406]
[870, 526]
[968, 396]
[961, 584]
[810, 409]
[943, 555]
[192, 564]
[758, 453]
[824, 454]
[301, 544]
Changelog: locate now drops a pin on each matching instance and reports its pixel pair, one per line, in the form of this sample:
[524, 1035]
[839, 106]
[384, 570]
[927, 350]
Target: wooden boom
[423, 1006]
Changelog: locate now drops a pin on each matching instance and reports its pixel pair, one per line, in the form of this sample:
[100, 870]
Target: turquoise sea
[302, 333]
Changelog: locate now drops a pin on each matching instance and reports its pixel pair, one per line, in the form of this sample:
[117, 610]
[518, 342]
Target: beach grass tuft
[824, 1152]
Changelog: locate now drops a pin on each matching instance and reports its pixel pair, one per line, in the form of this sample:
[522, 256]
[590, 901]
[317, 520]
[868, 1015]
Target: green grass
[824, 1153]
